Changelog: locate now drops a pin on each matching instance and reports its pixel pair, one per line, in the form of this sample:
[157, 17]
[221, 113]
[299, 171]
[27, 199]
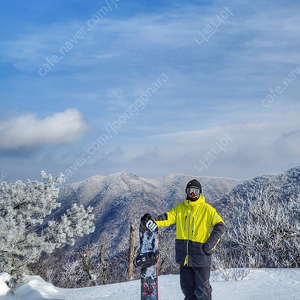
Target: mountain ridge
[120, 199]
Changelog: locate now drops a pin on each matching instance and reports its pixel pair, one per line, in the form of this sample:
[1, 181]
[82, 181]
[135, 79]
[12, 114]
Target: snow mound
[275, 284]
[4, 278]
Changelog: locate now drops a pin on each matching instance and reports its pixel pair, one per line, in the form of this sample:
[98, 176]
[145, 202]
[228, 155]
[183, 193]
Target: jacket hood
[190, 203]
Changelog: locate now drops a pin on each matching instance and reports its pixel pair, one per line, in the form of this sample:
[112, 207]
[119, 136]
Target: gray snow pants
[194, 283]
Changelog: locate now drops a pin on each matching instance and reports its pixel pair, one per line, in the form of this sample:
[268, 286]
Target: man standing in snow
[194, 243]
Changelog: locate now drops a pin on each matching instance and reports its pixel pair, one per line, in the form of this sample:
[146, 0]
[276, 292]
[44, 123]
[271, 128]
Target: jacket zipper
[187, 244]
[193, 226]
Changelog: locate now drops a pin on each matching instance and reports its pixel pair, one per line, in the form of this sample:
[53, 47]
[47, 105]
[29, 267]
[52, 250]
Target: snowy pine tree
[263, 220]
[23, 209]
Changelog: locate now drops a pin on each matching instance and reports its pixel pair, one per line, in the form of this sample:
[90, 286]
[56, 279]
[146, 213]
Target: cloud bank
[28, 131]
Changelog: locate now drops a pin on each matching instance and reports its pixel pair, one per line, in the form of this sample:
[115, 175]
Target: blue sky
[207, 88]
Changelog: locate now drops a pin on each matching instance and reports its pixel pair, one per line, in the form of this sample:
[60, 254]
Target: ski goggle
[193, 189]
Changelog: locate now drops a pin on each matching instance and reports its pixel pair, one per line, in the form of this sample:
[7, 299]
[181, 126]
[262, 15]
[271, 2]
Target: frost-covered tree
[270, 228]
[264, 224]
[23, 232]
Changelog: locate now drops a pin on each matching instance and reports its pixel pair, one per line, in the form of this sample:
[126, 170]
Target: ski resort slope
[260, 284]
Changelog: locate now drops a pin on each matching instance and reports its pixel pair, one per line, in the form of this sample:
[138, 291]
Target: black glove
[145, 218]
[206, 250]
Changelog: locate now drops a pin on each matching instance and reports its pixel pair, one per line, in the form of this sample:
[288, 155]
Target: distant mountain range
[120, 200]
[285, 185]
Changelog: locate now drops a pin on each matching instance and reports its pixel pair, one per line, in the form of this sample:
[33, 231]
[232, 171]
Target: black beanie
[194, 182]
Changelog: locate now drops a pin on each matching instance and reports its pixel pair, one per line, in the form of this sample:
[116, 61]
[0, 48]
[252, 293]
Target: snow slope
[260, 284]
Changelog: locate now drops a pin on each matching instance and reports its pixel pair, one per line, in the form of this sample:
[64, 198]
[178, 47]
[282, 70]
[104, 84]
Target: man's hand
[151, 225]
[148, 222]
[145, 218]
[207, 250]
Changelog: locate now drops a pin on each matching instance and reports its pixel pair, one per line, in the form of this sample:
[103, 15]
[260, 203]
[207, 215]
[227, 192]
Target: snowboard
[148, 260]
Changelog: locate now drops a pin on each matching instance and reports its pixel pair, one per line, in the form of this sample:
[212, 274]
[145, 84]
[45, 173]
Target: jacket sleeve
[216, 234]
[166, 219]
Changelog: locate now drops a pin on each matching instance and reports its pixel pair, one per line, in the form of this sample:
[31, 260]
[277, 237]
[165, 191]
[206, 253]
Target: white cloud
[237, 150]
[29, 131]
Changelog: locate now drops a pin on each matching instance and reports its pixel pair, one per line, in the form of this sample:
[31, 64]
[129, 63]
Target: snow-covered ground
[260, 284]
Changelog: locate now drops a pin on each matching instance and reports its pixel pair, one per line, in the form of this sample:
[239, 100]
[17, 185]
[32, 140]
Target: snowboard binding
[147, 259]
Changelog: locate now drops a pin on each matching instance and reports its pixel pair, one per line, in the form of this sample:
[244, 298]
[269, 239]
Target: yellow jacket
[198, 230]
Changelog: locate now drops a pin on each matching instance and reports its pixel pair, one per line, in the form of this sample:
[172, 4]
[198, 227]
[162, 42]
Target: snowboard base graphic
[148, 260]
